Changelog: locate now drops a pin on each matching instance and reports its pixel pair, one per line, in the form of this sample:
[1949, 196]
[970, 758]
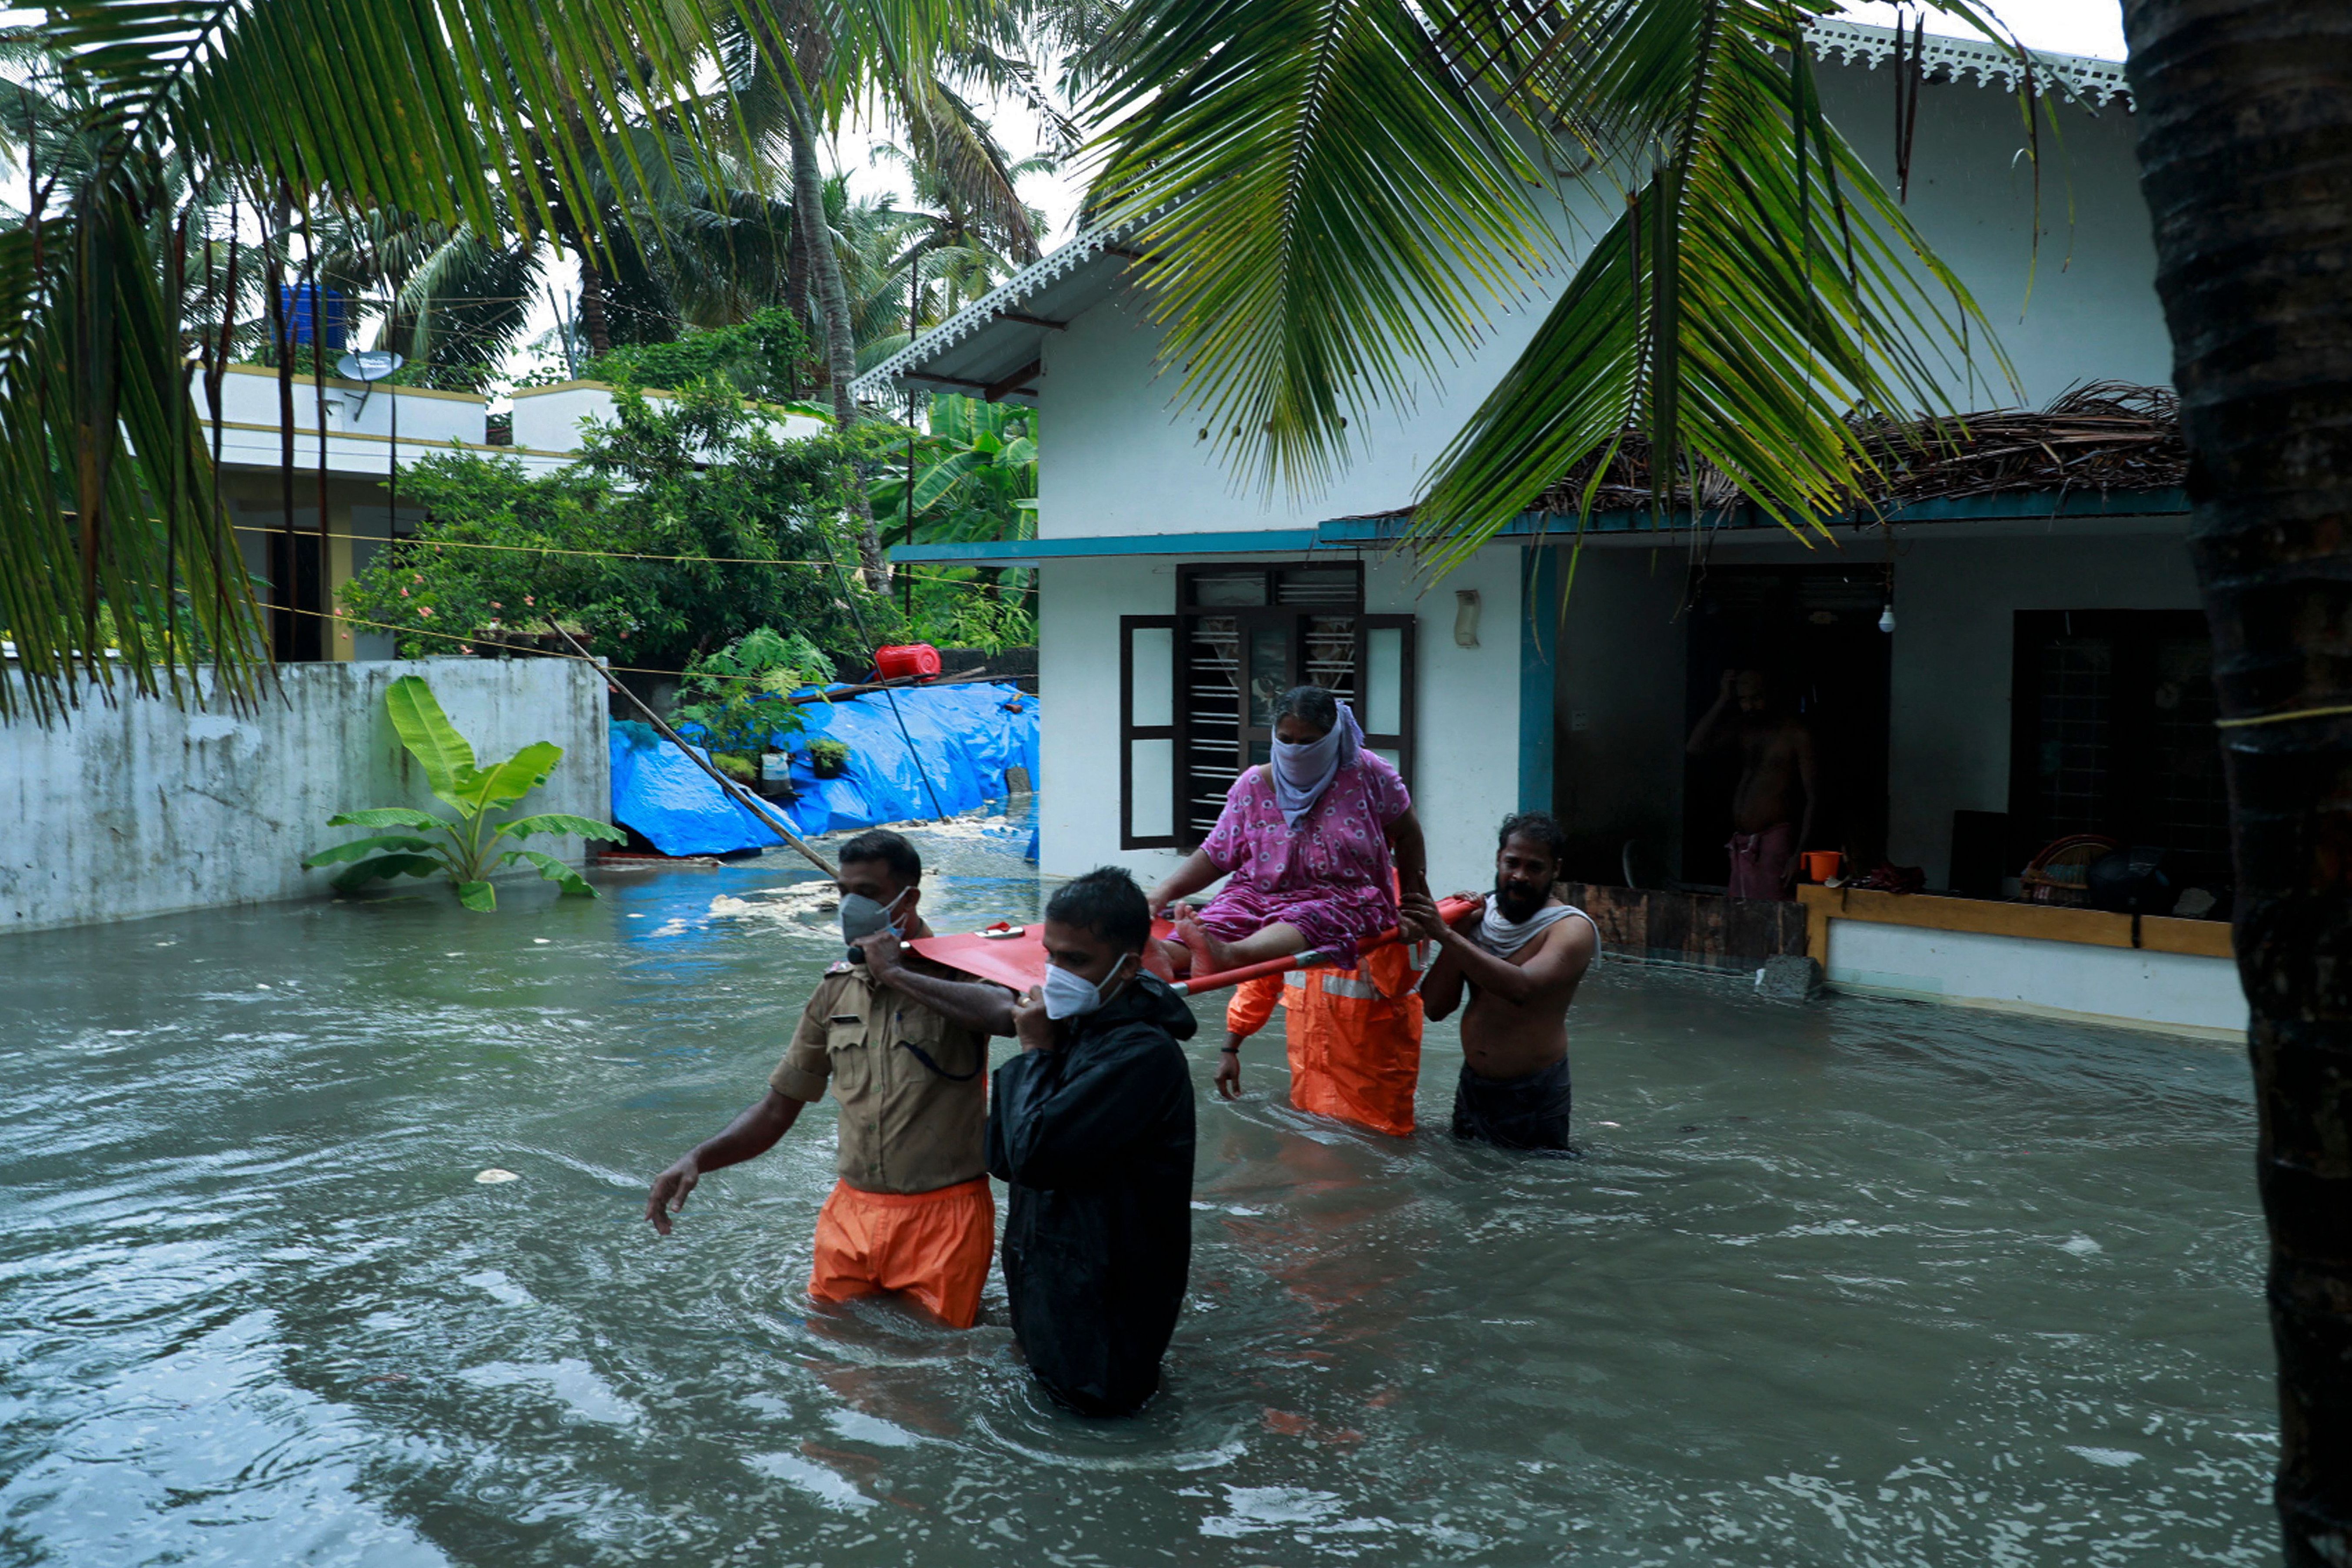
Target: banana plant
[476, 794]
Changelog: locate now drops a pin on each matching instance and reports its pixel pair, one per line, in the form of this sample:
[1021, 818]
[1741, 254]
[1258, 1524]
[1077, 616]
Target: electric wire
[849, 598]
[611, 555]
[467, 643]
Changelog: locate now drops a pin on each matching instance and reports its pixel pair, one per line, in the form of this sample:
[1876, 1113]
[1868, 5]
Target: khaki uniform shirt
[913, 1088]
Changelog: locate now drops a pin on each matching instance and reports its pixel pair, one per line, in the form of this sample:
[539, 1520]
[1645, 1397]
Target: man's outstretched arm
[1409, 853]
[1714, 726]
[1441, 985]
[973, 1004]
[747, 1137]
[1562, 956]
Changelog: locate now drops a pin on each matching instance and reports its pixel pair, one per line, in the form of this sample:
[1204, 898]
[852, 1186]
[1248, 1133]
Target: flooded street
[1846, 1282]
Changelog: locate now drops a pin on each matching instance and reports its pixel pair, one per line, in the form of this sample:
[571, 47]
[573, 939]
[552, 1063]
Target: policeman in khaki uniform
[904, 1053]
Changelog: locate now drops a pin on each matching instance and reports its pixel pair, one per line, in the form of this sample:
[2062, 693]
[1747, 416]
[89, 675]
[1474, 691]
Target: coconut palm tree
[796, 70]
[2243, 123]
[111, 537]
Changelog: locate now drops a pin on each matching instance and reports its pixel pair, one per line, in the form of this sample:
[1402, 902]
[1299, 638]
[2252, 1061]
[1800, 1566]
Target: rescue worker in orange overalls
[1354, 1035]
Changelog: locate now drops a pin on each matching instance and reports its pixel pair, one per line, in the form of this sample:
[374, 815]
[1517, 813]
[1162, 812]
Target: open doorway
[1814, 630]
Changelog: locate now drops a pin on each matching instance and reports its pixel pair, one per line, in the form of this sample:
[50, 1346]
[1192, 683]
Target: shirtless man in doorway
[1521, 957]
[1769, 823]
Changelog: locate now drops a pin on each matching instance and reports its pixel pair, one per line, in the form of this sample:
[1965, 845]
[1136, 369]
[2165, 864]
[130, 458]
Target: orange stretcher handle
[1013, 956]
[1448, 909]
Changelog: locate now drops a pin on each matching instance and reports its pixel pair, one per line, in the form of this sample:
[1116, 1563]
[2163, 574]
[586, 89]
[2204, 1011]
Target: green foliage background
[753, 526]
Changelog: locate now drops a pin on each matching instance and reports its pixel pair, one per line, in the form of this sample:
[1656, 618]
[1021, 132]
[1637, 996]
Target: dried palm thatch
[2105, 435]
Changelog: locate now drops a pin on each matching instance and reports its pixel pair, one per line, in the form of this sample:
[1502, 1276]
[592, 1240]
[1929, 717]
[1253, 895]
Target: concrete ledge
[2043, 922]
[142, 807]
[2183, 993]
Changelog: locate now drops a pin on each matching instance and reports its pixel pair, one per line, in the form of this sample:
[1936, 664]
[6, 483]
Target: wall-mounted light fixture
[1465, 617]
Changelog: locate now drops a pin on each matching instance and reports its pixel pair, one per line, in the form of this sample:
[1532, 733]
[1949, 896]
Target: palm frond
[480, 115]
[1331, 210]
[1343, 193]
[1732, 314]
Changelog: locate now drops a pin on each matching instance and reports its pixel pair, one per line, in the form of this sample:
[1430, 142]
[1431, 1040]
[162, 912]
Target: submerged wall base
[2144, 988]
[142, 807]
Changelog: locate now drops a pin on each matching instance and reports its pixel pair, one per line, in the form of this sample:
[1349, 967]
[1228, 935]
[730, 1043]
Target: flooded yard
[1845, 1282]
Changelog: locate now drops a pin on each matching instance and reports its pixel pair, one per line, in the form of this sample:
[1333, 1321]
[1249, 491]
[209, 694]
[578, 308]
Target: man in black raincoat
[1092, 1128]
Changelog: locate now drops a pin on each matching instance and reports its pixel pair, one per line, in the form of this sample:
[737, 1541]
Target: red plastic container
[916, 659]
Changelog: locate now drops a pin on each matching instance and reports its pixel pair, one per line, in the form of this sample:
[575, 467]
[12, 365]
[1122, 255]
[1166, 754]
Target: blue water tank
[312, 312]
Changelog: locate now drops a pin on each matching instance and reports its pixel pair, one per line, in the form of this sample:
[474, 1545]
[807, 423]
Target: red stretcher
[1015, 956]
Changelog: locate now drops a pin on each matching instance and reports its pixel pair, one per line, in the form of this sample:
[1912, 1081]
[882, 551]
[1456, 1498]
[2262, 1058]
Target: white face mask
[1069, 993]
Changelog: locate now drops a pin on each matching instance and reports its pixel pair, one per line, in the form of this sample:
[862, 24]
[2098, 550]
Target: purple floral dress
[1332, 879]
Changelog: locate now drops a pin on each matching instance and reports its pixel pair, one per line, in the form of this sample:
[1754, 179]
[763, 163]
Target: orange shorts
[934, 1246]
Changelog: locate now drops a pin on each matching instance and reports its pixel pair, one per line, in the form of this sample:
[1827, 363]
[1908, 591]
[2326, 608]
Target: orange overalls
[1354, 1034]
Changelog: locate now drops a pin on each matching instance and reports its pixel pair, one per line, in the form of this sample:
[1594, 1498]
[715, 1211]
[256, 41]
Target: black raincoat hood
[1146, 999]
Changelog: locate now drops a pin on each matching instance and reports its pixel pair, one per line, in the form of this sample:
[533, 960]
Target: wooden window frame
[1130, 733]
[1246, 617]
[1401, 741]
[2128, 629]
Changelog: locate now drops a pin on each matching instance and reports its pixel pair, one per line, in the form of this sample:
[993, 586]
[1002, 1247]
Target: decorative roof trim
[2095, 81]
[1006, 296]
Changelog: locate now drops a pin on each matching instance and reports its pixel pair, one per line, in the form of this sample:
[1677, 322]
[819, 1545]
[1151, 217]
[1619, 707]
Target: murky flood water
[1840, 1283]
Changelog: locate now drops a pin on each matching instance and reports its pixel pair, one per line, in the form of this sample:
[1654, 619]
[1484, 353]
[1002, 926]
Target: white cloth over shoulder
[1503, 937]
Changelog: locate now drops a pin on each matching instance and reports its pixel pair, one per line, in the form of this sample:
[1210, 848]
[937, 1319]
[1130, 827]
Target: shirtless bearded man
[1769, 827]
[1520, 957]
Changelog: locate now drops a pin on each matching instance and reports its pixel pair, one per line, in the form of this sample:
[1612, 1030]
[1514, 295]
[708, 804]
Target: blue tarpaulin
[968, 736]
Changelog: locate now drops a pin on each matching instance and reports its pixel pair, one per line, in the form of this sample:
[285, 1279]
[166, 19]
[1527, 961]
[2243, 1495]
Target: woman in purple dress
[1315, 843]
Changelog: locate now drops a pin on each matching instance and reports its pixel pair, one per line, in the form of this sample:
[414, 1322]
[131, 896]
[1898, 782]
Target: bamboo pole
[734, 791]
[1448, 909]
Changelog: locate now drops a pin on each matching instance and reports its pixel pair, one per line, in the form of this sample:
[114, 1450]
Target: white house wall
[1467, 702]
[2091, 312]
[1120, 457]
[2113, 985]
[1124, 458]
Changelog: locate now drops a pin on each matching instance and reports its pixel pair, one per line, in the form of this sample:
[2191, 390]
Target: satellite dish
[370, 365]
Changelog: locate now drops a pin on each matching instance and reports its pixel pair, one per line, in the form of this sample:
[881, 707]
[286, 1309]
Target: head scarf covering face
[1302, 772]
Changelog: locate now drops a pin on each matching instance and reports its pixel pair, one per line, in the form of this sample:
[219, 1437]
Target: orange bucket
[1821, 865]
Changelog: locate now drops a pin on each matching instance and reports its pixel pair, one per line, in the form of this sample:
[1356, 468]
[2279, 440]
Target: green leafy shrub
[730, 695]
[828, 757]
[765, 357]
[680, 530]
[474, 793]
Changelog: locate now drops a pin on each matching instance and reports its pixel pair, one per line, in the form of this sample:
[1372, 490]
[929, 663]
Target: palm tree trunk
[796, 291]
[594, 324]
[832, 295]
[2242, 127]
